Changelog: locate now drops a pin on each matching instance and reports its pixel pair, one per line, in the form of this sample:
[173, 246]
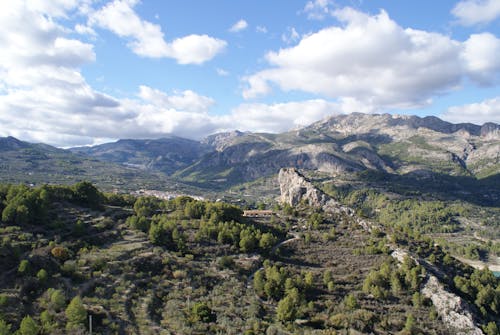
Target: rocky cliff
[295, 188]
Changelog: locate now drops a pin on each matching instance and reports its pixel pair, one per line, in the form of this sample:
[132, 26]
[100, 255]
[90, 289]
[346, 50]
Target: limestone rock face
[295, 188]
[451, 308]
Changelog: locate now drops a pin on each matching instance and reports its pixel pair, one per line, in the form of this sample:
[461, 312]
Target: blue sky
[85, 72]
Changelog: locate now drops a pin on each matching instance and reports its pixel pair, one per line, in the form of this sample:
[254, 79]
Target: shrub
[60, 253]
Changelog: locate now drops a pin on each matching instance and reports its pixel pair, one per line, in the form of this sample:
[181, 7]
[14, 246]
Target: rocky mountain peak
[220, 141]
[356, 123]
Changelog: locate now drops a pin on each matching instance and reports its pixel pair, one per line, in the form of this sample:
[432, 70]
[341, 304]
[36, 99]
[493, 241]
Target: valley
[374, 218]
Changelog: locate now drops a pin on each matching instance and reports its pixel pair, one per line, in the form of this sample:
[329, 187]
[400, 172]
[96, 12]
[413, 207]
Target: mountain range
[393, 145]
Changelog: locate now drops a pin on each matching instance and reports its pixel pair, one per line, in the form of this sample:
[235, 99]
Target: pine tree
[76, 314]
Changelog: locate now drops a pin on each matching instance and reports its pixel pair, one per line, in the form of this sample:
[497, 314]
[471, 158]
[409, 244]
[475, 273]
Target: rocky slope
[352, 143]
[454, 311]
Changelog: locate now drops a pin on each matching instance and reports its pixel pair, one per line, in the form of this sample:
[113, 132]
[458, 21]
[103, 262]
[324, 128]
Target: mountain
[166, 155]
[394, 146]
[356, 142]
[23, 162]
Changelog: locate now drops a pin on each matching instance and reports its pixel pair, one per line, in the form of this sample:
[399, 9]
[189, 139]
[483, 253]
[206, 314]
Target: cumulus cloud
[147, 39]
[318, 9]
[478, 113]
[45, 98]
[481, 54]
[374, 61]
[183, 101]
[280, 117]
[239, 26]
[472, 12]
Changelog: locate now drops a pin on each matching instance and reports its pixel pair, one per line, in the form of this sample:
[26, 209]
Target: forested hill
[145, 265]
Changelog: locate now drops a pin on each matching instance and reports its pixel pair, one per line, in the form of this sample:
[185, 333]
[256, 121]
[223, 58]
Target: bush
[60, 253]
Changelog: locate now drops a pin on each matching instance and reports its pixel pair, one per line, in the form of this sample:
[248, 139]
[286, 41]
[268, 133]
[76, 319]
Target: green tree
[201, 312]
[267, 241]
[4, 328]
[410, 324]
[57, 299]
[28, 326]
[42, 276]
[76, 315]
[87, 194]
[288, 306]
[491, 329]
[350, 302]
[24, 267]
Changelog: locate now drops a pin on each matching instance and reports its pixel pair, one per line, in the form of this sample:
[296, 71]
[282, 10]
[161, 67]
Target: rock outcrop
[451, 308]
[296, 188]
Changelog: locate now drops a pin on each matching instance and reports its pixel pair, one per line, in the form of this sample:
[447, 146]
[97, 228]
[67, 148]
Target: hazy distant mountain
[23, 162]
[166, 154]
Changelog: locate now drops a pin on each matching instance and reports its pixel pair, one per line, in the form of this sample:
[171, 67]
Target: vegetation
[141, 265]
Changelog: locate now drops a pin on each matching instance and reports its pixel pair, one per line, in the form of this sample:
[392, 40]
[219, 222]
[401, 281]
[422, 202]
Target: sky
[85, 72]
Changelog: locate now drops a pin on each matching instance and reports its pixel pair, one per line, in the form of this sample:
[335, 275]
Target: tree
[24, 267]
[28, 326]
[42, 276]
[491, 329]
[410, 324]
[4, 328]
[288, 306]
[350, 302]
[57, 299]
[87, 194]
[267, 241]
[76, 314]
[201, 312]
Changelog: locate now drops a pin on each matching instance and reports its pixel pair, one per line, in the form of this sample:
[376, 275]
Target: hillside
[165, 155]
[38, 164]
[150, 266]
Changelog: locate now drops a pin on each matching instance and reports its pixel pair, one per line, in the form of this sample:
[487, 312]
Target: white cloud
[45, 98]
[222, 72]
[374, 61]
[471, 12]
[318, 9]
[280, 117]
[239, 26]
[482, 57]
[261, 29]
[147, 39]
[84, 30]
[290, 36]
[185, 101]
[477, 113]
